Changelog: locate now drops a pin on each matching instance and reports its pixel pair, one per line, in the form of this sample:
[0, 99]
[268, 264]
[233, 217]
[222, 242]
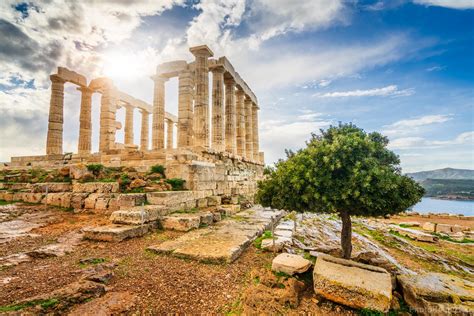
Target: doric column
[240, 106]
[201, 105]
[145, 130]
[158, 127]
[129, 124]
[185, 109]
[169, 134]
[256, 149]
[218, 109]
[248, 128]
[230, 117]
[108, 123]
[85, 121]
[54, 140]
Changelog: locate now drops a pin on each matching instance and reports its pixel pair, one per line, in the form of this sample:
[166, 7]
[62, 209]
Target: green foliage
[258, 242]
[343, 169]
[176, 183]
[268, 170]
[124, 181]
[95, 168]
[45, 304]
[448, 238]
[158, 169]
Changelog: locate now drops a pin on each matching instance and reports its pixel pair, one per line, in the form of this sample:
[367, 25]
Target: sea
[430, 205]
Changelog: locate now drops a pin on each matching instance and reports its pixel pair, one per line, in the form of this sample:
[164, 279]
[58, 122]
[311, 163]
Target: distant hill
[447, 183]
[446, 174]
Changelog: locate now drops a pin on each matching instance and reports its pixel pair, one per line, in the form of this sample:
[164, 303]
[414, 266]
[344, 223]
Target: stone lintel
[72, 76]
[171, 69]
[201, 50]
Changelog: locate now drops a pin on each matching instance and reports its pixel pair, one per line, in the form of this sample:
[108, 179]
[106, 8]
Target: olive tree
[344, 170]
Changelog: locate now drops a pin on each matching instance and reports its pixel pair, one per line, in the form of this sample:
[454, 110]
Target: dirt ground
[161, 283]
[433, 219]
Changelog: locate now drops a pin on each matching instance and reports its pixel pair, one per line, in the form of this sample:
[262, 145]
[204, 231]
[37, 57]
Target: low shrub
[95, 168]
[176, 183]
[158, 169]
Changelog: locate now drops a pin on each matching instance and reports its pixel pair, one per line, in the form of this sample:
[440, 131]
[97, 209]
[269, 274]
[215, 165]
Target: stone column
[85, 121]
[230, 117]
[169, 134]
[185, 109]
[240, 107]
[158, 127]
[108, 123]
[256, 149]
[218, 109]
[129, 124]
[145, 130]
[248, 129]
[201, 105]
[54, 140]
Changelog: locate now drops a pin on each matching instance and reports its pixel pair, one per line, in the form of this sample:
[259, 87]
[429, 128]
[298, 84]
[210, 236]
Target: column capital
[217, 69]
[229, 81]
[159, 78]
[201, 51]
[255, 106]
[240, 92]
[57, 79]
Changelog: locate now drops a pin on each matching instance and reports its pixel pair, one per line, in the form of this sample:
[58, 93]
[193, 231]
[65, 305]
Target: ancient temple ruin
[216, 134]
[224, 122]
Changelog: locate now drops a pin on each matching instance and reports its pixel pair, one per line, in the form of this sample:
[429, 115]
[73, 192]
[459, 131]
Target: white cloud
[452, 4]
[413, 125]
[420, 142]
[391, 90]
[435, 68]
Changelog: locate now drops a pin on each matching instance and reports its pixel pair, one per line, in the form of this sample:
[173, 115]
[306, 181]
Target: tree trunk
[346, 235]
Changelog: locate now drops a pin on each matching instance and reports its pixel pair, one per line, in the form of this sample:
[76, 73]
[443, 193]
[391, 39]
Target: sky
[404, 68]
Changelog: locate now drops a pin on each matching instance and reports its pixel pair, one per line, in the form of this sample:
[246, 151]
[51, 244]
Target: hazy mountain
[446, 173]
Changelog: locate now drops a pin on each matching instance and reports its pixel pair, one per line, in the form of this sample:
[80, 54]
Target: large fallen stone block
[414, 234]
[116, 232]
[352, 284]
[429, 226]
[138, 215]
[290, 264]
[181, 222]
[438, 294]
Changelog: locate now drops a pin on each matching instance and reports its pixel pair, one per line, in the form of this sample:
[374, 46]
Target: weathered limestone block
[51, 187]
[352, 284]
[437, 294]
[201, 203]
[169, 198]
[414, 234]
[130, 200]
[62, 199]
[217, 216]
[102, 204]
[290, 264]
[78, 200]
[116, 233]
[181, 222]
[229, 210]
[213, 200]
[443, 228]
[431, 227]
[206, 218]
[33, 197]
[77, 172]
[138, 215]
[96, 187]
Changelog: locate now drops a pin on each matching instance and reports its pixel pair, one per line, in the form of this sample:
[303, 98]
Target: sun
[125, 65]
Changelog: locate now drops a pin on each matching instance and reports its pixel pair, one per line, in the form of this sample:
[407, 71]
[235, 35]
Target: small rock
[290, 264]
[138, 183]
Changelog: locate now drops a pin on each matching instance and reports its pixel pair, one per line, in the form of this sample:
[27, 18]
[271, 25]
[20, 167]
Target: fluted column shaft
[54, 140]
[185, 109]
[248, 129]
[218, 109]
[129, 124]
[256, 149]
[169, 134]
[144, 130]
[158, 127]
[230, 117]
[240, 106]
[108, 123]
[201, 104]
[85, 121]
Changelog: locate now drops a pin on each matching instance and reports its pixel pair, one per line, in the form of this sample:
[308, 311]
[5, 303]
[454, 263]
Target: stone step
[138, 215]
[224, 241]
[116, 233]
[188, 221]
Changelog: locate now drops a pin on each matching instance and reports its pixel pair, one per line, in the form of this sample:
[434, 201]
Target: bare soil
[159, 283]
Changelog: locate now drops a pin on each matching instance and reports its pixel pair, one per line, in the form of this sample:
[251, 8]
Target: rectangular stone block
[96, 187]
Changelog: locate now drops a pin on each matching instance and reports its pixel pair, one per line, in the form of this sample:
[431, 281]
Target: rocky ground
[46, 267]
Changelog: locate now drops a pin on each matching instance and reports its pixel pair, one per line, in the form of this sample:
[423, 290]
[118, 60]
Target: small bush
[176, 183]
[124, 182]
[258, 242]
[95, 168]
[158, 169]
